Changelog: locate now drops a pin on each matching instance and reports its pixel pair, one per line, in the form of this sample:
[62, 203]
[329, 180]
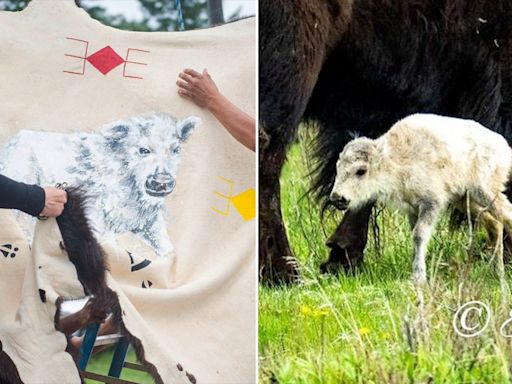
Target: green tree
[13, 5]
[158, 15]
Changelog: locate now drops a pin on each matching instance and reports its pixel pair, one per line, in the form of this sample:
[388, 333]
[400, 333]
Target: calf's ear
[186, 126]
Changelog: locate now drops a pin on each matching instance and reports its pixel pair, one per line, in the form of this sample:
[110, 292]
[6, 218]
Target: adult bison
[360, 66]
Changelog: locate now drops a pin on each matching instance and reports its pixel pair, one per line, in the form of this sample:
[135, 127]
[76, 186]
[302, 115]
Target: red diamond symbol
[105, 60]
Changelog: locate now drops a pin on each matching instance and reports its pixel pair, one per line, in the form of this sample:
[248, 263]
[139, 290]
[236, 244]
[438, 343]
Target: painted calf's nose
[163, 177]
[160, 184]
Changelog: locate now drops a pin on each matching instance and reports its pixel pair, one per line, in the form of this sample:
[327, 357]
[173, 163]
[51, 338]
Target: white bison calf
[423, 164]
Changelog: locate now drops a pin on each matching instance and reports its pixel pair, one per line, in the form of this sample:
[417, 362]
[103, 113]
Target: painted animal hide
[168, 195]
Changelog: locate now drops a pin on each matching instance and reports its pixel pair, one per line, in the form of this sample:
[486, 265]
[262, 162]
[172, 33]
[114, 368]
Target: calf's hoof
[419, 280]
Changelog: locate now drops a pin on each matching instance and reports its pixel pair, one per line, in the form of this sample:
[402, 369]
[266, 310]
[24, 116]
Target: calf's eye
[176, 150]
[144, 151]
[361, 172]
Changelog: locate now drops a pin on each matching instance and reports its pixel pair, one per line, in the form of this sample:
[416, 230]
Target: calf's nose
[335, 196]
[338, 200]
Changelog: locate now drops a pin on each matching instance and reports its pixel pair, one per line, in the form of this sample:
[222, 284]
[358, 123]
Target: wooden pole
[215, 12]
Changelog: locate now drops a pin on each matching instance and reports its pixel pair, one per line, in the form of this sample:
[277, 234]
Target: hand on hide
[92, 314]
[81, 319]
[54, 201]
[198, 87]
[202, 90]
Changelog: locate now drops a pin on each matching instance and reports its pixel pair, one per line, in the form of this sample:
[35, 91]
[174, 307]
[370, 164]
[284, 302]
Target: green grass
[100, 363]
[368, 328]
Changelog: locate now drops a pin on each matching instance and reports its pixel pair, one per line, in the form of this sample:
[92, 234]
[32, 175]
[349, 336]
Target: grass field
[100, 363]
[370, 328]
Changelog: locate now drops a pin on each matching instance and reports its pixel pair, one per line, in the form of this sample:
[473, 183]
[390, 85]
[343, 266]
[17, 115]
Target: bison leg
[275, 257]
[348, 241]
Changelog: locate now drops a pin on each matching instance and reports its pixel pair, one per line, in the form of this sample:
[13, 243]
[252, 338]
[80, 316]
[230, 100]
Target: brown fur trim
[8, 371]
[117, 314]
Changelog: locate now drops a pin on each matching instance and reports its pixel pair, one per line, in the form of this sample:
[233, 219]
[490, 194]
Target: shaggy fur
[81, 246]
[423, 164]
[8, 372]
[375, 64]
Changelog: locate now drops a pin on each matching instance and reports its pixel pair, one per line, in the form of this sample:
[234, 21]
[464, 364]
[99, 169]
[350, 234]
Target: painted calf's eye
[361, 172]
[144, 151]
[176, 150]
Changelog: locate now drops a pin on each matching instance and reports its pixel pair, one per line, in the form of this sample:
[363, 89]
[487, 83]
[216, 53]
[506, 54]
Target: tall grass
[375, 327]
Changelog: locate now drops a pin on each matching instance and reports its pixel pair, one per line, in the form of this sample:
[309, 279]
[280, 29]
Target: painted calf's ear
[186, 126]
[115, 134]
[115, 131]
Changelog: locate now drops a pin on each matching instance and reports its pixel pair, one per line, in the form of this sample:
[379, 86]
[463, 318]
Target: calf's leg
[500, 211]
[495, 229]
[503, 212]
[500, 207]
[427, 216]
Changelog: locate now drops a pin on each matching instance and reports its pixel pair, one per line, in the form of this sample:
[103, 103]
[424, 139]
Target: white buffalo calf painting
[126, 169]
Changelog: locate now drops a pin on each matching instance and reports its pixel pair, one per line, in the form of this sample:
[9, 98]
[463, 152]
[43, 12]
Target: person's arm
[27, 198]
[201, 89]
[31, 199]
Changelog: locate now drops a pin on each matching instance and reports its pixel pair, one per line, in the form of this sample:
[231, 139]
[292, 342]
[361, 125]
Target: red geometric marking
[105, 60]
[78, 57]
[126, 61]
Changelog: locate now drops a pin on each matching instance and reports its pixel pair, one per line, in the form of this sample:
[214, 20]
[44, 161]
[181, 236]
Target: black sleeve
[26, 198]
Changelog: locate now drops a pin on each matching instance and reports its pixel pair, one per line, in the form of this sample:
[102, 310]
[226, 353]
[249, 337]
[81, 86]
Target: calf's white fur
[423, 164]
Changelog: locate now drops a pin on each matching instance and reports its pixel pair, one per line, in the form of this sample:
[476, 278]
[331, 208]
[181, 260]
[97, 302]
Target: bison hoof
[330, 267]
[346, 260]
[276, 269]
[285, 274]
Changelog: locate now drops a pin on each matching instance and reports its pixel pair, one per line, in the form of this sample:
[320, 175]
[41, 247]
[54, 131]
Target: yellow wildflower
[320, 312]
[363, 331]
[313, 312]
[385, 335]
[306, 310]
